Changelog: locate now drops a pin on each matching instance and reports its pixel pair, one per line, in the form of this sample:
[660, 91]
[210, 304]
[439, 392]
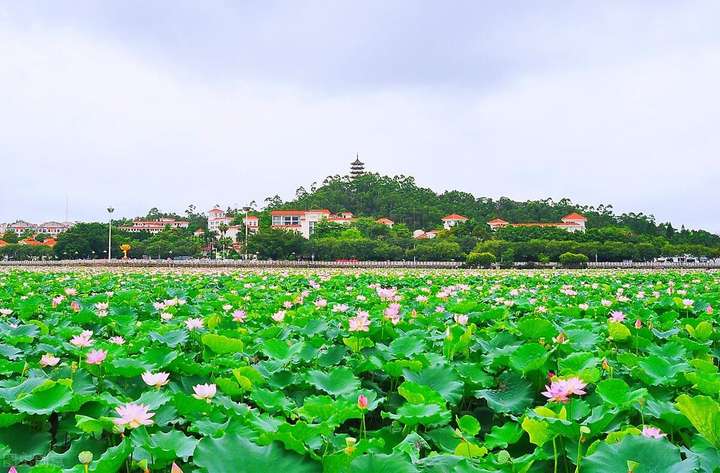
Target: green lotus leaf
[617, 392]
[425, 414]
[651, 456]
[704, 414]
[618, 331]
[221, 455]
[338, 381]
[534, 328]
[439, 378]
[502, 436]
[513, 394]
[46, 398]
[221, 344]
[379, 463]
[528, 357]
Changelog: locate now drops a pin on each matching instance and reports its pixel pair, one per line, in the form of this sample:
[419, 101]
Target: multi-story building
[155, 226]
[20, 226]
[54, 228]
[304, 221]
[573, 222]
[217, 217]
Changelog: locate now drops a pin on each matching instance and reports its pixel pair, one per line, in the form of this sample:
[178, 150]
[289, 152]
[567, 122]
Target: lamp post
[246, 209]
[110, 211]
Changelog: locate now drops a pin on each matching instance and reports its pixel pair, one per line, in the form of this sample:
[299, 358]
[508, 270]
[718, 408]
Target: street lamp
[110, 211]
[246, 209]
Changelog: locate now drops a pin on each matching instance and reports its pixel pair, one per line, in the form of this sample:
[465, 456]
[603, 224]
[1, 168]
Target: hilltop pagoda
[357, 167]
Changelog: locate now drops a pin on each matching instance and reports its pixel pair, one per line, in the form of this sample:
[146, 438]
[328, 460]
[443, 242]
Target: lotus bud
[362, 402]
[632, 466]
[175, 468]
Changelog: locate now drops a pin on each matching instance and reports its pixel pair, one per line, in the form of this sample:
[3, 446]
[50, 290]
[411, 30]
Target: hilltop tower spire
[357, 167]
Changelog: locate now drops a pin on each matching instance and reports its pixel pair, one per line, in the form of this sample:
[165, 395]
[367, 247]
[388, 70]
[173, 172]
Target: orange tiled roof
[574, 216]
[454, 217]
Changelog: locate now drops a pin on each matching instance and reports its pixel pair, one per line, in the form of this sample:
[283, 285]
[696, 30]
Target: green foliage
[482, 260]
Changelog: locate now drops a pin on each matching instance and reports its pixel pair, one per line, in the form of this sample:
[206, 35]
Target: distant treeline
[610, 236]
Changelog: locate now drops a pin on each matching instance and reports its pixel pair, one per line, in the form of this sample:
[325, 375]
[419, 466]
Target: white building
[423, 235]
[573, 222]
[451, 220]
[155, 226]
[304, 221]
[217, 217]
[54, 228]
[20, 226]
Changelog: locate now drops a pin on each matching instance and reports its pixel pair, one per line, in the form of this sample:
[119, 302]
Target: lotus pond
[595, 372]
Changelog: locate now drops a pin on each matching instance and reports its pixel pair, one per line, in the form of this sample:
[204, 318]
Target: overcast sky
[143, 103]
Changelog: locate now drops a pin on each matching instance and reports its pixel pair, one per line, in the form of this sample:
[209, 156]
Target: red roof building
[573, 222]
[451, 220]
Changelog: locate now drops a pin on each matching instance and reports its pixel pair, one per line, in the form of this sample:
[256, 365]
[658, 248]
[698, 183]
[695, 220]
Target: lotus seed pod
[503, 457]
[85, 457]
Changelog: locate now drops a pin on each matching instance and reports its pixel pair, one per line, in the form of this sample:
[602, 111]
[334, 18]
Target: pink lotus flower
[320, 303]
[158, 379]
[57, 300]
[12, 470]
[166, 316]
[116, 340]
[69, 291]
[158, 305]
[638, 324]
[688, 303]
[421, 299]
[204, 391]
[193, 324]
[49, 360]
[359, 323]
[440, 309]
[461, 319]
[288, 304]
[95, 357]
[83, 340]
[6, 311]
[617, 316]
[559, 390]
[340, 308]
[279, 316]
[227, 307]
[709, 310]
[583, 306]
[387, 294]
[239, 316]
[652, 432]
[605, 303]
[133, 415]
[102, 306]
[75, 306]
[362, 402]
[175, 469]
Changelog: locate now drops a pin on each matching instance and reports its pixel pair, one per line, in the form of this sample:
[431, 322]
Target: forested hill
[402, 200]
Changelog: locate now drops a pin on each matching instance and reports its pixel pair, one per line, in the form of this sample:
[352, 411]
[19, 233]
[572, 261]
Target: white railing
[210, 263]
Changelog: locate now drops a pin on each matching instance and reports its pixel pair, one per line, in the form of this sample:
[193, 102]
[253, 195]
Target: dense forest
[609, 236]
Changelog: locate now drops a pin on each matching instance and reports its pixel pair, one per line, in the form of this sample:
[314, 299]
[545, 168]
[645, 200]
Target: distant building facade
[573, 222]
[217, 217]
[50, 228]
[155, 226]
[304, 221]
[451, 220]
